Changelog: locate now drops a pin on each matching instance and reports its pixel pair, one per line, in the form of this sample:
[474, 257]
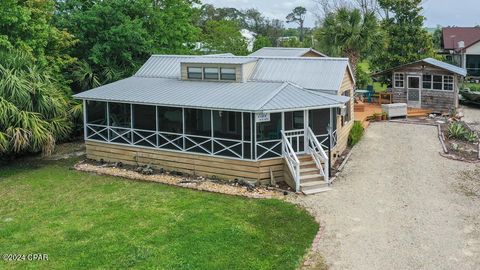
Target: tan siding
[342, 132]
[248, 69]
[311, 54]
[208, 166]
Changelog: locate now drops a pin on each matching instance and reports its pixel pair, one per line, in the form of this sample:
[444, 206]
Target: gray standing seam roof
[434, 62]
[284, 52]
[316, 73]
[249, 96]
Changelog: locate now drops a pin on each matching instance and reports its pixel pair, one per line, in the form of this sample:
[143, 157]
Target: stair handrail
[292, 160]
[318, 154]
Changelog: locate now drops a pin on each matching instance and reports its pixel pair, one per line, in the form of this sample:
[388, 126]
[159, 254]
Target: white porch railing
[318, 154]
[292, 160]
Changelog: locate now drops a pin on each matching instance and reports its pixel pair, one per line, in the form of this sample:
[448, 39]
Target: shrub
[356, 133]
[458, 131]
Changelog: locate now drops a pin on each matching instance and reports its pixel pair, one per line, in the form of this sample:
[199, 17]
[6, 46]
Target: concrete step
[316, 190]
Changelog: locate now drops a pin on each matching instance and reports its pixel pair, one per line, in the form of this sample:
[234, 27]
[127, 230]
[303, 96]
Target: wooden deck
[371, 108]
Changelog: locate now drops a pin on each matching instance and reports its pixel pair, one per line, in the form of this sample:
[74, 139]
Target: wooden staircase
[311, 181]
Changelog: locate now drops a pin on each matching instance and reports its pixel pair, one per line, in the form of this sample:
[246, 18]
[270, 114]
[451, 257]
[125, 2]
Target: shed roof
[249, 96]
[285, 52]
[434, 62]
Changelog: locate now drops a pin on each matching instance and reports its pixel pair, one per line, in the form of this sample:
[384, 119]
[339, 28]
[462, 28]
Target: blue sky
[437, 12]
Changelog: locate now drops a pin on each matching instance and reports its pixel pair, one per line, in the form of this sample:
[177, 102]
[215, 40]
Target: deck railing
[318, 154]
[292, 160]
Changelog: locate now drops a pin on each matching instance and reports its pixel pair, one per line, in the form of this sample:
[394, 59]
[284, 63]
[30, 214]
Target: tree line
[50, 49]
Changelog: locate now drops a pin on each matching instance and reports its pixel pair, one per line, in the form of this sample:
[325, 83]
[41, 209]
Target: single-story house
[461, 45]
[428, 83]
[228, 117]
[287, 52]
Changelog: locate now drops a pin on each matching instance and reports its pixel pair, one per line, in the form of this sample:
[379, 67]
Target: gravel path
[398, 205]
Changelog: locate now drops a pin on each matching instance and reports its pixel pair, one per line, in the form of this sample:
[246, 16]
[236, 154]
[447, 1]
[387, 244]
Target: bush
[458, 131]
[356, 133]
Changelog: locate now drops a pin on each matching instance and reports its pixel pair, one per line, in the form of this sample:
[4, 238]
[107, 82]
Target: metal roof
[318, 73]
[284, 52]
[220, 60]
[446, 66]
[452, 35]
[434, 62]
[325, 74]
[249, 96]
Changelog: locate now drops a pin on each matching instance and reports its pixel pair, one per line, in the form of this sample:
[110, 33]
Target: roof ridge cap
[277, 91]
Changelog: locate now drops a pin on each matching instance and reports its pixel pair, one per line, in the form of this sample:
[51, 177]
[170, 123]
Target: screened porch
[230, 134]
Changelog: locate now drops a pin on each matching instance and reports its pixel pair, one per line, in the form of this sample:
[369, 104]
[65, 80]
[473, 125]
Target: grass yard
[87, 221]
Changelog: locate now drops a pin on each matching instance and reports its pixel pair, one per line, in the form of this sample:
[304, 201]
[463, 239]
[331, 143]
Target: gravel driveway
[398, 205]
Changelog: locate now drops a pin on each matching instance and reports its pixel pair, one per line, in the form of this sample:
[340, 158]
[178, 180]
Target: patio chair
[371, 94]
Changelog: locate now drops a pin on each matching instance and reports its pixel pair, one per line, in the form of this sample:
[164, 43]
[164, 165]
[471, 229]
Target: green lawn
[86, 221]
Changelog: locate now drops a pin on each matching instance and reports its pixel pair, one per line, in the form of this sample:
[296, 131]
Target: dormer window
[210, 73]
[194, 73]
[228, 74]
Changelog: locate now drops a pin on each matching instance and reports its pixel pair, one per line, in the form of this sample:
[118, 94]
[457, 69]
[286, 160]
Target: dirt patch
[469, 182]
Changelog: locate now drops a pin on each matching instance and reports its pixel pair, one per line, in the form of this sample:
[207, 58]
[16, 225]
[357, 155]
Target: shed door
[414, 98]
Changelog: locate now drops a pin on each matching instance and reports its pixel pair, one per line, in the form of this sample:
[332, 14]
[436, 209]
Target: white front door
[414, 94]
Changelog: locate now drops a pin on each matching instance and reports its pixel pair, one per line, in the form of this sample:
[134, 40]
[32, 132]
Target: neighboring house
[462, 47]
[428, 83]
[287, 52]
[226, 117]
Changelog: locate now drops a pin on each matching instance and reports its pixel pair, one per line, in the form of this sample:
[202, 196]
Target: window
[427, 81]
[210, 73]
[437, 82]
[119, 115]
[228, 74]
[170, 119]
[399, 80]
[194, 73]
[448, 83]
[96, 112]
[347, 117]
[144, 117]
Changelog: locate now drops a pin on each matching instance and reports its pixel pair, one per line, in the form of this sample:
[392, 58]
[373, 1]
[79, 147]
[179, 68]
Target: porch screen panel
[269, 137]
[170, 128]
[120, 123]
[144, 125]
[318, 121]
[294, 120]
[198, 124]
[247, 135]
[96, 114]
[227, 133]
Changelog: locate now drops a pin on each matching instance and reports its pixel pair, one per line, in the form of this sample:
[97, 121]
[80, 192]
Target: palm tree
[349, 33]
[34, 111]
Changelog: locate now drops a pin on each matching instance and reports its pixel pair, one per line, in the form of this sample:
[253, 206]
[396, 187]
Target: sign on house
[263, 117]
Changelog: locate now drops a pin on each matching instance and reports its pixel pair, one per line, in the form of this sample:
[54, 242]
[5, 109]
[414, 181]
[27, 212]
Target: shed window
[228, 74]
[448, 83]
[194, 73]
[210, 73]
[427, 81]
[399, 79]
[437, 82]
